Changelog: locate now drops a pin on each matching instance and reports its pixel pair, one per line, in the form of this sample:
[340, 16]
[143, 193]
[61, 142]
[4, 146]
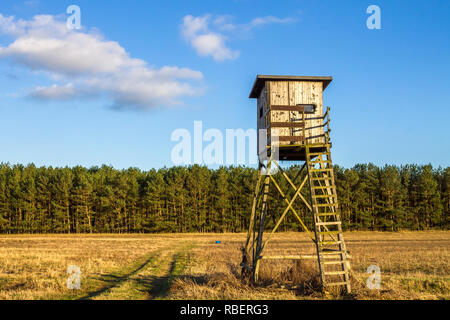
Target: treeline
[198, 199]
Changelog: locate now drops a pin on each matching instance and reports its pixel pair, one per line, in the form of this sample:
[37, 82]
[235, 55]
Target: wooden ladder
[331, 251]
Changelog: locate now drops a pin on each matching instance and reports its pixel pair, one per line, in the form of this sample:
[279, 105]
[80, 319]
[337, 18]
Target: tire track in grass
[148, 280]
[161, 285]
[107, 283]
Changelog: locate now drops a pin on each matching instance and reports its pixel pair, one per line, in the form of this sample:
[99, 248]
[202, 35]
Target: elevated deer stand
[290, 108]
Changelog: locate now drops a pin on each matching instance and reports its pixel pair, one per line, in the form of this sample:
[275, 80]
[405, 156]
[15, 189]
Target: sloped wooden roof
[261, 79]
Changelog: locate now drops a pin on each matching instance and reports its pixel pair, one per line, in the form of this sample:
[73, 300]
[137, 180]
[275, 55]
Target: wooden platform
[297, 152]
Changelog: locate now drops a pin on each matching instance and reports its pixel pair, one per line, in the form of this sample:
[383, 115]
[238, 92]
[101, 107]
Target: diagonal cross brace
[285, 198]
[289, 207]
[300, 195]
[292, 184]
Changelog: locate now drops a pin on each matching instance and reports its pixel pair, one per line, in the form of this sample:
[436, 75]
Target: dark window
[309, 108]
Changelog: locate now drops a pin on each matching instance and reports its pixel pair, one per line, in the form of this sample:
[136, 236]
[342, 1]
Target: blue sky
[389, 98]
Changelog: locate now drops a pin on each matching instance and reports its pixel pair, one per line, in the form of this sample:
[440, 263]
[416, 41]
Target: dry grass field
[414, 265]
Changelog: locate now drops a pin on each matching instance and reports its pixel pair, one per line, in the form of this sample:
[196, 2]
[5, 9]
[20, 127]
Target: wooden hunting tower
[293, 126]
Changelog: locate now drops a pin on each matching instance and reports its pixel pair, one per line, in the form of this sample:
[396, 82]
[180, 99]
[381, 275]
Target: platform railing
[299, 124]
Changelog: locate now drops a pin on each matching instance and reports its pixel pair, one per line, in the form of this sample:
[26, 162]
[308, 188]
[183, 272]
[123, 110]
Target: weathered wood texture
[261, 112]
[291, 93]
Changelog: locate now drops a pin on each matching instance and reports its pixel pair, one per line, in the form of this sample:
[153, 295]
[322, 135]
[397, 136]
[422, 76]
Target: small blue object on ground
[217, 242]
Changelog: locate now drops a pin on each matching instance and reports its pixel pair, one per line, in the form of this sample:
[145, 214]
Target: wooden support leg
[252, 217]
[256, 273]
[257, 251]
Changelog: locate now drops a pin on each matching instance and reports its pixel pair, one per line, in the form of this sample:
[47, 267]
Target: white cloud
[208, 37]
[269, 20]
[193, 25]
[85, 65]
[213, 44]
[206, 43]
[60, 92]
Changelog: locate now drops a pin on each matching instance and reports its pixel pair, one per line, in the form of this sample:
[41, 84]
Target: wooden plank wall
[293, 93]
[261, 121]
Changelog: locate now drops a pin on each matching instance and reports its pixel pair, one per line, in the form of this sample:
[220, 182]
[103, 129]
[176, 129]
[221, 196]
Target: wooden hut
[290, 108]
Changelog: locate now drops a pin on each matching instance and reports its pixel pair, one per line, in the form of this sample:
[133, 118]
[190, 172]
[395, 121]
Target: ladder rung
[332, 253]
[326, 243]
[335, 273]
[335, 283]
[321, 178]
[314, 162]
[328, 223]
[323, 196]
[321, 170]
[322, 187]
[334, 262]
[332, 257]
[334, 250]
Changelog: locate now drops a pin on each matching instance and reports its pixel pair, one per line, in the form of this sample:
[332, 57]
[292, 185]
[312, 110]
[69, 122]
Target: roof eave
[261, 79]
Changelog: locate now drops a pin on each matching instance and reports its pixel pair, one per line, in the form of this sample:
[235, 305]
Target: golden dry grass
[414, 265]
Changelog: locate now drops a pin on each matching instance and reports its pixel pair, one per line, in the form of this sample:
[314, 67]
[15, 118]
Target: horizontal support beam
[287, 125]
[299, 107]
[335, 257]
[293, 257]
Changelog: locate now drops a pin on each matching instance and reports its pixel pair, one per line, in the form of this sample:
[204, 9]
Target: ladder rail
[345, 266]
[314, 212]
[324, 197]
